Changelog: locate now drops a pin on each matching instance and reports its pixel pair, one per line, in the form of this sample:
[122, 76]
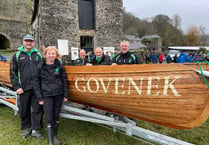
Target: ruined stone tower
[84, 23]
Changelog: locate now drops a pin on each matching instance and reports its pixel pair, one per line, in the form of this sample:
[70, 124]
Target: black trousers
[30, 110]
[52, 108]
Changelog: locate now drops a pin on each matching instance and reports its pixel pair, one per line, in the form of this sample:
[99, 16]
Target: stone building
[11, 34]
[153, 43]
[84, 23]
[135, 43]
[14, 22]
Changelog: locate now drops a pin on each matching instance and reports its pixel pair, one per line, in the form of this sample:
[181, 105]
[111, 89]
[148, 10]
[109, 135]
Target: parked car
[198, 57]
[172, 53]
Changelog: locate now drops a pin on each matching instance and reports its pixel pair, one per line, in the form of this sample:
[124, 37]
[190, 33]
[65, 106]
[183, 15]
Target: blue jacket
[182, 58]
[168, 59]
[3, 58]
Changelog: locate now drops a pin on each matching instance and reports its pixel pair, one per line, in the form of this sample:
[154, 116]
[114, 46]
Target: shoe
[26, 133]
[37, 134]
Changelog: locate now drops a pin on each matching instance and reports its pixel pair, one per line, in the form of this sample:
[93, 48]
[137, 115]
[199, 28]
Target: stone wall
[108, 23]
[59, 20]
[15, 17]
[19, 10]
[13, 32]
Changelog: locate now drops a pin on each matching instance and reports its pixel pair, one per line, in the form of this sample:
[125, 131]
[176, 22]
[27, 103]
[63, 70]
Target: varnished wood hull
[172, 95]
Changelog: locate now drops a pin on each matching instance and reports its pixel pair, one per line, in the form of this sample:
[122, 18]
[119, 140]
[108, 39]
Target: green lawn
[198, 135]
[72, 132]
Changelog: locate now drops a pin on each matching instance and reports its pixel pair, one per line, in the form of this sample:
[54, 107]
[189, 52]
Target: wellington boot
[50, 135]
[55, 139]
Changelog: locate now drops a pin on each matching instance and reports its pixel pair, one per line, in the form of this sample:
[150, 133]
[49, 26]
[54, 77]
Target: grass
[198, 135]
[71, 132]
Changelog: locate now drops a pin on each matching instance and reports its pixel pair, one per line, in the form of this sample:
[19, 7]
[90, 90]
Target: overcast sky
[192, 12]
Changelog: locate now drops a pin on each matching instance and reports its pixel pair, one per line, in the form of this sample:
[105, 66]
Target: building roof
[136, 46]
[151, 36]
[132, 38]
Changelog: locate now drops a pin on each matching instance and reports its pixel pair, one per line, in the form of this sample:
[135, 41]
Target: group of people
[41, 83]
[124, 57]
[183, 57]
[154, 58]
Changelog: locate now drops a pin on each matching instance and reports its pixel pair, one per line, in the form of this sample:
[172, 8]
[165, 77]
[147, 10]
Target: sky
[191, 12]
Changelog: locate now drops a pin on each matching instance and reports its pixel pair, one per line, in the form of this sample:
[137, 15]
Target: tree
[169, 33]
[133, 25]
[192, 36]
[203, 37]
[177, 21]
[168, 29]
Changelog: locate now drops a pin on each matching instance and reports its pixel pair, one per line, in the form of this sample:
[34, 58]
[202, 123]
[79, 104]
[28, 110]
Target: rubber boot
[50, 134]
[55, 139]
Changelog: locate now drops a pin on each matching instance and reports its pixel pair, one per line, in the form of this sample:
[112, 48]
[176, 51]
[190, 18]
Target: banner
[108, 50]
[74, 53]
[63, 47]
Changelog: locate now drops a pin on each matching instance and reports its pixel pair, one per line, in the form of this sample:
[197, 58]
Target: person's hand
[19, 91]
[114, 64]
[88, 64]
[65, 99]
[41, 102]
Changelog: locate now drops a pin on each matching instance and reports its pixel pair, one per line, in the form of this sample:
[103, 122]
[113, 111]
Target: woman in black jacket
[51, 88]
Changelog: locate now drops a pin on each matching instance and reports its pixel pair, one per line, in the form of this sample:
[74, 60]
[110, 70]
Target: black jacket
[22, 66]
[50, 80]
[105, 60]
[79, 61]
[127, 58]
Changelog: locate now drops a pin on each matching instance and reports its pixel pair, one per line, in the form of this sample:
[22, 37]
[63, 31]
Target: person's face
[50, 55]
[98, 53]
[124, 47]
[82, 54]
[28, 44]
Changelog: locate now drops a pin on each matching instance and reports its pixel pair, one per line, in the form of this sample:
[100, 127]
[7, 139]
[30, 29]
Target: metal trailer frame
[7, 93]
[123, 124]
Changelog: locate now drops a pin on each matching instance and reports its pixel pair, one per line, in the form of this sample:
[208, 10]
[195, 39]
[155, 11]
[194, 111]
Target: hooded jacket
[79, 61]
[127, 58]
[50, 80]
[22, 66]
[104, 60]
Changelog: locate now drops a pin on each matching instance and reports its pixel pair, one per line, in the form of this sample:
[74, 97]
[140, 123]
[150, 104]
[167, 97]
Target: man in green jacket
[23, 65]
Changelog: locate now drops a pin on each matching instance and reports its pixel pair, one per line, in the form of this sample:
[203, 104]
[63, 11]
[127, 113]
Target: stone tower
[84, 23]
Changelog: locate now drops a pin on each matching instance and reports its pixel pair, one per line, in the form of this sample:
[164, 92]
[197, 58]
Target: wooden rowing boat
[172, 95]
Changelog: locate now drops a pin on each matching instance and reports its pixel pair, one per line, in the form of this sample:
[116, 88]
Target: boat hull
[171, 95]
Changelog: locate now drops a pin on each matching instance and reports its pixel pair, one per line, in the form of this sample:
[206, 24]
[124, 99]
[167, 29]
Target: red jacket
[161, 58]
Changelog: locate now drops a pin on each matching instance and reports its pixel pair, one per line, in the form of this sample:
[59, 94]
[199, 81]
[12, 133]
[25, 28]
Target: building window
[86, 14]
[86, 43]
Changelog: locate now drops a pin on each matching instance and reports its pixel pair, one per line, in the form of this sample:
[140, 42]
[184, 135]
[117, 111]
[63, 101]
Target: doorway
[86, 43]
[5, 44]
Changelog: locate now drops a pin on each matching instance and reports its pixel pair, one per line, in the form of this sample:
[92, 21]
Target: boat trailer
[124, 124]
